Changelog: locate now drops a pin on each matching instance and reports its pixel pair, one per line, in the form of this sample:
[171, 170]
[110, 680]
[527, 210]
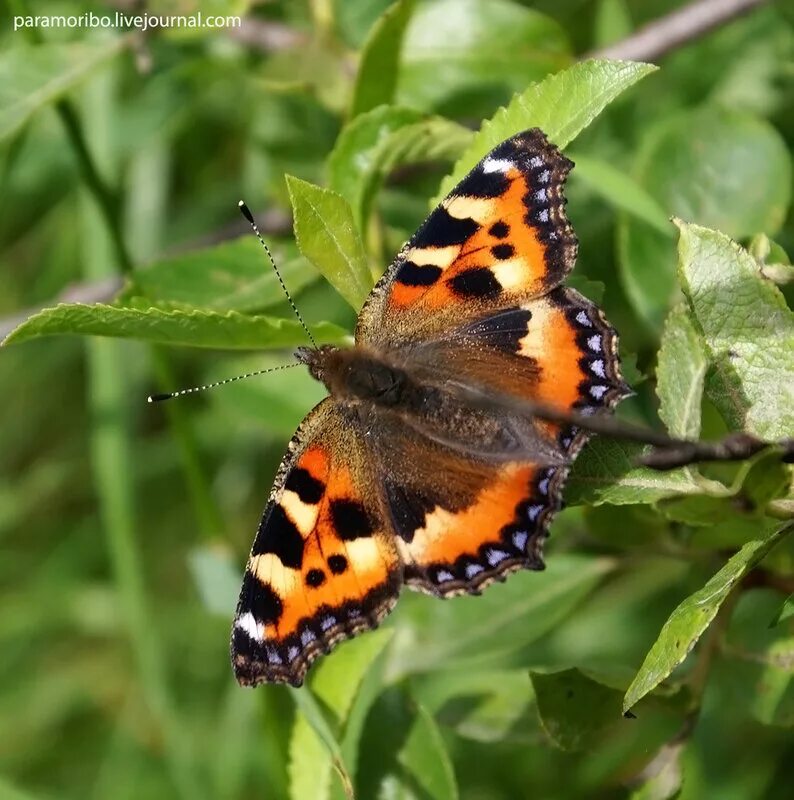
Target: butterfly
[421, 468]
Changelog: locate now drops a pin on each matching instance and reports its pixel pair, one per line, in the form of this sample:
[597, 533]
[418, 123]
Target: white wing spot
[520, 539]
[594, 343]
[327, 622]
[583, 319]
[495, 556]
[598, 391]
[496, 165]
[442, 575]
[292, 653]
[533, 512]
[474, 569]
[543, 215]
[543, 486]
[544, 176]
[540, 195]
[597, 368]
[535, 162]
[307, 637]
[250, 626]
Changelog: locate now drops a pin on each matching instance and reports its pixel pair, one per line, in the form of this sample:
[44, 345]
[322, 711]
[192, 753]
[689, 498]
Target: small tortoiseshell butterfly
[399, 476]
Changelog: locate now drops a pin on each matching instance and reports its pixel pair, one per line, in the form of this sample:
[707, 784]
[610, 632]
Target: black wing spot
[337, 564]
[475, 282]
[503, 251]
[411, 274]
[260, 599]
[278, 535]
[479, 183]
[408, 509]
[499, 230]
[441, 229]
[305, 485]
[504, 330]
[315, 578]
[350, 520]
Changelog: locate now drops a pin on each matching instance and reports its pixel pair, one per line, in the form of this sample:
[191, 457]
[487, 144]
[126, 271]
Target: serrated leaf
[32, 77]
[315, 745]
[605, 472]
[691, 618]
[680, 374]
[326, 234]
[376, 80]
[575, 710]
[426, 759]
[234, 275]
[621, 190]
[377, 142]
[562, 105]
[455, 54]
[748, 330]
[722, 169]
[175, 327]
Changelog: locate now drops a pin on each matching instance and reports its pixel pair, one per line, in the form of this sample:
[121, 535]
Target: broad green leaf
[680, 373]
[748, 331]
[377, 142]
[376, 81]
[175, 327]
[455, 54]
[233, 275]
[32, 77]
[426, 759]
[760, 660]
[562, 105]
[605, 472]
[691, 618]
[326, 234]
[621, 190]
[478, 631]
[722, 169]
[576, 711]
[315, 745]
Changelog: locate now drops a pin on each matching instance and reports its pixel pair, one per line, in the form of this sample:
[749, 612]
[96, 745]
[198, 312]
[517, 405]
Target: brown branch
[675, 29]
[268, 36]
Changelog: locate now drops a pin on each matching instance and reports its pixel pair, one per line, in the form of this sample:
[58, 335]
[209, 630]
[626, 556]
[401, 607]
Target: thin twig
[267, 36]
[675, 29]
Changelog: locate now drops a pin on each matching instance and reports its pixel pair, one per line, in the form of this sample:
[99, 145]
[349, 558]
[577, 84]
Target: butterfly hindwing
[323, 566]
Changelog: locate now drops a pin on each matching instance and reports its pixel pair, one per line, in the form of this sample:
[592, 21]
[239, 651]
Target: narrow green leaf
[175, 327]
[621, 190]
[680, 374]
[32, 77]
[379, 141]
[234, 275]
[426, 759]
[748, 330]
[575, 710]
[691, 618]
[562, 105]
[326, 234]
[376, 80]
[315, 746]
[786, 611]
[605, 472]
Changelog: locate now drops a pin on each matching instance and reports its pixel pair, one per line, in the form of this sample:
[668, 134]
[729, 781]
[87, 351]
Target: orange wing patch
[322, 567]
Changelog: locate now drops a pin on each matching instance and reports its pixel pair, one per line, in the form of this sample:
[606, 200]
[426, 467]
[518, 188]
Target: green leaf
[680, 374]
[748, 331]
[621, 190]
[462, 56]
[760, 660]
[605, 472]
[234, 275]
[691, 618]
[376, 81]
[377, 142]
[175, 327]
[216, 576]
[474, 631]
[612, 22]
[575, 710]
[663, 776]
[722, 169]
[562, 105]
[786, 611]
[426, 759]
[315, 746]
[32, 77]
[326, 234]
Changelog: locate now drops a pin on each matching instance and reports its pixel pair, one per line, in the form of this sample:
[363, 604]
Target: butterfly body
[423, 466]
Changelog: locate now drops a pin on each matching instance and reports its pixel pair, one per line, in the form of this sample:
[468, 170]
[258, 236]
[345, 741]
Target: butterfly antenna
[158, 398]
[246, 212]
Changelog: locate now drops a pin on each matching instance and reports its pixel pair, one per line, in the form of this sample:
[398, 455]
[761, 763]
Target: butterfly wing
[475, 298]
[324, 564]
[499, 238]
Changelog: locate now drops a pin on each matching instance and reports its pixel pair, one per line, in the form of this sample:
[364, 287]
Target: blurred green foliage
[123, 526]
